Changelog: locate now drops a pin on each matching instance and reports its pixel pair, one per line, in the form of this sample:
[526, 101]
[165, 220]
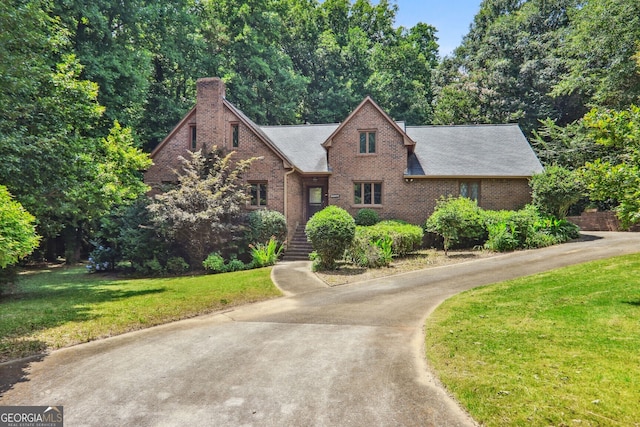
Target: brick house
[367, 161]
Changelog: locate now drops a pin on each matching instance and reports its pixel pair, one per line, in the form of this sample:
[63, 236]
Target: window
[470, 189]
[367, 193]
[193, 138]
[235, 135]
[367, 142]
[258, 194]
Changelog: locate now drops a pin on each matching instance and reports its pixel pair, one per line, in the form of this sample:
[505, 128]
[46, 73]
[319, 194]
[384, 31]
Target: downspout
[286, 206]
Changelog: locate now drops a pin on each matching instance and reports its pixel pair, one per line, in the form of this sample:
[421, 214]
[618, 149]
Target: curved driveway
[349, 355]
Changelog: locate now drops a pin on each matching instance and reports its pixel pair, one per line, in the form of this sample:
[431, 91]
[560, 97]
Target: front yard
[560, 348]
[59, 307]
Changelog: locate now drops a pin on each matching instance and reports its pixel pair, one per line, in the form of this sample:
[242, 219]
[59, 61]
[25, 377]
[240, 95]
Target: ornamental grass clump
[265, 254]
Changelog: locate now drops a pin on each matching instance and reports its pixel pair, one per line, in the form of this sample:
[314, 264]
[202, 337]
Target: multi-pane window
[258, 194]
[367, 142]
[367, 193]
[235, 135]
[470, 189]
[193, 138]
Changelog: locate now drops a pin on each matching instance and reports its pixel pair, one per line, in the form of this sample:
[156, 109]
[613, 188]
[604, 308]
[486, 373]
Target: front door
[314, 200]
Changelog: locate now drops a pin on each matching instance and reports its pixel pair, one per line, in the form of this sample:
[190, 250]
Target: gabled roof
[368, 100]
[472, 151]
[259, 133]
[302, 144]
[185, 119]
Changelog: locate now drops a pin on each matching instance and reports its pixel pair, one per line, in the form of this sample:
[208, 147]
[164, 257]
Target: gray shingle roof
[302, 144]
[440, 151]
[472, 150]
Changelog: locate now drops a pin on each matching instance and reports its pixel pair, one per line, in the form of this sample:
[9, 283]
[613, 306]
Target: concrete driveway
[344, 356]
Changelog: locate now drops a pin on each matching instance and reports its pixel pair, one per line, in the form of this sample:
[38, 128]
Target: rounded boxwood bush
[367, 217]
[330, 232]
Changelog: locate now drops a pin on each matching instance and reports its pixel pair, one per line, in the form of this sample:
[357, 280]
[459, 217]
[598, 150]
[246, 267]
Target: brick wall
[596, 221]
[386, 166]
[404, 199]
[210, 113]
[165, 158]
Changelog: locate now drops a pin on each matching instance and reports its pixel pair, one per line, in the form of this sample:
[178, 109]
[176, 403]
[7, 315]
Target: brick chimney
[210, 112]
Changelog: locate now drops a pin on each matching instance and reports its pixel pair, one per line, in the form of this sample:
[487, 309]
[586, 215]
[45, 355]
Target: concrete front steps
[298, 248]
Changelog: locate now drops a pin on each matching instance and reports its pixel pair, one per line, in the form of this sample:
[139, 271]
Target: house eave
[162, 143]
[406, 176]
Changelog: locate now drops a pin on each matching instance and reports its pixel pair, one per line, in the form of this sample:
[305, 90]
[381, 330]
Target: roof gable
[369, 101]
[182, 122]
[259, 133]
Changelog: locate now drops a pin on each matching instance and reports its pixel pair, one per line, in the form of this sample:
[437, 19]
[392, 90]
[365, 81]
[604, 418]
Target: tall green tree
[507, 65]
[599, 54]
[53, 162]
[618, 180]
[260, 77]
[18, 236]
[401, 77]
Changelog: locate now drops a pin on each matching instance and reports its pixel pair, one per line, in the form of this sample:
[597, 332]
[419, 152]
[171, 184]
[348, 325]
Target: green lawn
[61, 307]
[560, 348]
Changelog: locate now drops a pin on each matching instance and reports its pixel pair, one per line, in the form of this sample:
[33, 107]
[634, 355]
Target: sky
[450, 17]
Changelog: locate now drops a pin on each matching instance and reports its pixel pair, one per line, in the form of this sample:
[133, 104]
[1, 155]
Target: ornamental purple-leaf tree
[201, 213]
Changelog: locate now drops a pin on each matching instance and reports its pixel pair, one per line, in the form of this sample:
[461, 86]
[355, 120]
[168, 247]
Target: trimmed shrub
[367, 217]
[330, 232]
[456, 218]
[405, 238]
[214, 263]
[235, 264]
[264, 223]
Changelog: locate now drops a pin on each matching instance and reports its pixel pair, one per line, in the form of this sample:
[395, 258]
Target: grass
[560, 348]
[60, 307]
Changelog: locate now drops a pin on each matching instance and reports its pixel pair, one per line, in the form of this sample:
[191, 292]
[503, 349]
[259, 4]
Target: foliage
[177, 265]
[507, 65]
[199, 215]
[618, 179]
[267, 254]
[18, 236]
[214, 263]
[364, 253]
[330, 232]
[386, 249]
[456, 218]
[604, 73]
[526, 228]
[56, 162]
[366, 217]
[265, 223]
[101, 259]
[235, 264]
[125, 236]
[405, 238]
[555, 190]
